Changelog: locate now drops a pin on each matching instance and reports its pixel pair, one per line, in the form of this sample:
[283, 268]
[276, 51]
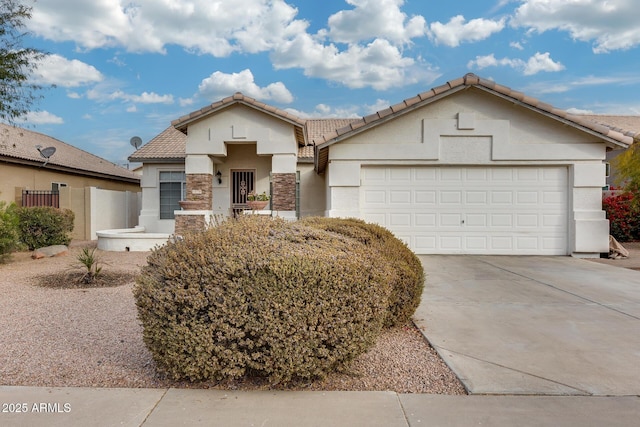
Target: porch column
[198, 204]
[283, 180]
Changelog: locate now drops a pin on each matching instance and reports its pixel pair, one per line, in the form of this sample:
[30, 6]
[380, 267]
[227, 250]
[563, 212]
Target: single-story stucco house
[469, 167]
[23, 167]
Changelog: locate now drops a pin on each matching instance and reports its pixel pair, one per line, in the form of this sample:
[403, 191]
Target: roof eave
[380, 120]
[611, 142]
[66, 169]
[183, 123]
[157, 159]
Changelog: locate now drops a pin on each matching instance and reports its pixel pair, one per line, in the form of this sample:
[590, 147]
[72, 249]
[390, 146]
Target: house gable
[467, 106]
[241, 124]
[469, 126]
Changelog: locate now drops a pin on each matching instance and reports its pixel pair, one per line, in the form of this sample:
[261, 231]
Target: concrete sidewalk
[180, 407]
[534, 325]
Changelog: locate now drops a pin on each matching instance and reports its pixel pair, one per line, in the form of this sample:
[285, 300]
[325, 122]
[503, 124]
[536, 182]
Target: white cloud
[212, 27]
[610, 25]
[490, 61]
[379, 64]
[344, 111]
[109, 91]
[144, 98]
[582, 82]
[219, 85]
[579, 111]
[541, 62]
[537, 63]
[371, 19]
[42, 118]
[57, 70]
[457, 31]
[516, 45]
[376, 32]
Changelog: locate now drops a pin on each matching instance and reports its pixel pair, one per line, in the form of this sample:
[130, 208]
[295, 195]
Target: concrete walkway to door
[534, 325]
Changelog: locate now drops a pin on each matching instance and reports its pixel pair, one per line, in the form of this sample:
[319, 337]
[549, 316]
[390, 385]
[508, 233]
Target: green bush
[9, 236]
[263, 297]
[43, 226]
[405, 269]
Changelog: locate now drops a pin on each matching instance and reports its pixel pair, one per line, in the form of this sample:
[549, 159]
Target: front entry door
[243, 183]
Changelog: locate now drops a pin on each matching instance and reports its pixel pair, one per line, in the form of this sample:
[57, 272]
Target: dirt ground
[632, 262]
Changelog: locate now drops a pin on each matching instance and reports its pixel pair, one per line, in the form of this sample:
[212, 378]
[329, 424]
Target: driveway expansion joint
[438, 348]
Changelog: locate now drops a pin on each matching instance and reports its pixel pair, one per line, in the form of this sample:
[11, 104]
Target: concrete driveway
[534, 325]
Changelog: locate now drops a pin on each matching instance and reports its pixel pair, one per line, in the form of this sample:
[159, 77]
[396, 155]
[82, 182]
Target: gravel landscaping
[58, 336]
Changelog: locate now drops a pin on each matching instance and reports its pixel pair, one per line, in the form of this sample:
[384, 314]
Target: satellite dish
[136, 142]
[46, 153]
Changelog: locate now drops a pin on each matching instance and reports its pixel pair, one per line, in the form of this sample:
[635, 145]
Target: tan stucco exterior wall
[19, 177]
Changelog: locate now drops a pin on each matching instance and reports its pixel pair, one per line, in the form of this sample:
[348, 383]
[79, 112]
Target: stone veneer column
[199, 198]
[284, 192]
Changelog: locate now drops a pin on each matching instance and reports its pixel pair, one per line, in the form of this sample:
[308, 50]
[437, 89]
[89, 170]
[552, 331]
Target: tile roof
[168, 146]
[612, 136]
[627, 125]
[237, 98]
[20, 145]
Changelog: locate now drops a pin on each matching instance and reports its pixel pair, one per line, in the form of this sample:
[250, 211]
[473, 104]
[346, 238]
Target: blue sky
[125, 68]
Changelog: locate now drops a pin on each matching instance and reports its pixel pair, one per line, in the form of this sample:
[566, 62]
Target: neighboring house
[627, 124]
[68, 171]
[23, 167]
[467, 167]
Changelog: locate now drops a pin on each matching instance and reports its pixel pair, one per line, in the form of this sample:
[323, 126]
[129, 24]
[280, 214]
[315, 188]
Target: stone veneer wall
[188, 223]
[284, 192]
[200, 189]
[200, 196]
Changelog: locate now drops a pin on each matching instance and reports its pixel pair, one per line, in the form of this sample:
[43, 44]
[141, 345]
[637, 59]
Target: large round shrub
[260, 296]
[404, 269]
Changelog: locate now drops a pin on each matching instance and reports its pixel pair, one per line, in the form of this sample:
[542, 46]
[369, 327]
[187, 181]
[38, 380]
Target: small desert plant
[262, 297]
[89, 263]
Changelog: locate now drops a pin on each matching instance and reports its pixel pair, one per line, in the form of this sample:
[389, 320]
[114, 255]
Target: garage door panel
[502, 244]
[400, 196]
[476, 197]
[425, 219]
[425, 197]
[400, 175]
[400, 220]
[476, 220]
[526, 197]
[450, 197]
[526, 220]
[450, 220]
[373, 197]
[502, 220]
[484, 210]
[477, 243]
[502, 198]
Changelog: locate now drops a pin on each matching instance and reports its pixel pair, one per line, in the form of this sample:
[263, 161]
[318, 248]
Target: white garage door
[470, 210]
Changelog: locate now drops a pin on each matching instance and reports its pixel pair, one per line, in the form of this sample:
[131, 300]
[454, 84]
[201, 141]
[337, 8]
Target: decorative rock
[50, 251]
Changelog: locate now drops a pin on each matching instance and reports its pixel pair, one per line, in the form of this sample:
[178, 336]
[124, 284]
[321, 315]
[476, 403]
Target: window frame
[175, 176]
